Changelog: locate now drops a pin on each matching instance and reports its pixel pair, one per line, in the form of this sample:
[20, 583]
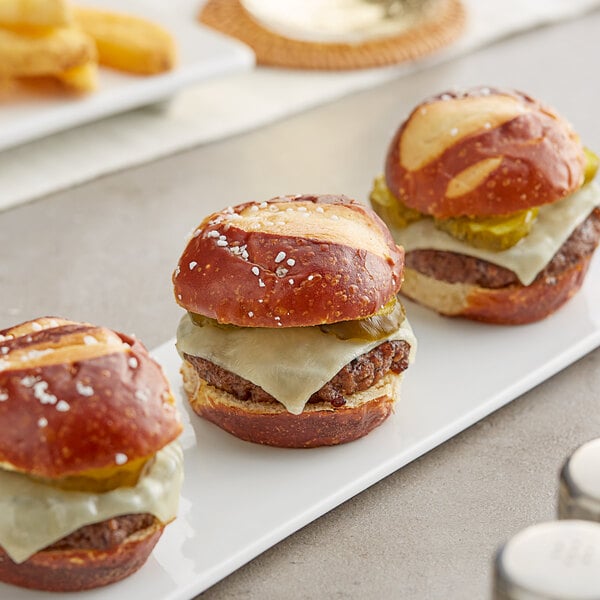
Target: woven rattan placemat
[438, 29]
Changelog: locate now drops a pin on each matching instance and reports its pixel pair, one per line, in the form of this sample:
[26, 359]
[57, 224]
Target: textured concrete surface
[104, 252]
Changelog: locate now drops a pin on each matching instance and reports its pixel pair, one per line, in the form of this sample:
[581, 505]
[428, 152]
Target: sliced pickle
[491, 233]
[373, 328]
[389, 208]
[591, 165]
[203, 321]
[102, 480]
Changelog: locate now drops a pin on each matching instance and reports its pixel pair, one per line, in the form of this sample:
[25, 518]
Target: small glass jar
[559, 560]
[579, 493]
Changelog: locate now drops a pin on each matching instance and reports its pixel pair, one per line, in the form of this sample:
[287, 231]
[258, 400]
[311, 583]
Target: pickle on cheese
[491, 233]
[502, 232]
[203, 321]
[103, 479]
[373, 328]
[591, 165]
[389, 208]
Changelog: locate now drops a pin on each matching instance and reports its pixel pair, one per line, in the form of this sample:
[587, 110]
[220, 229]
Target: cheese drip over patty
[34, 515]
[554, 224]
[289, 363]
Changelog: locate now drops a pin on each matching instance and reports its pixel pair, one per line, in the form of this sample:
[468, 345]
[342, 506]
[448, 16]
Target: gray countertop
[103, 252]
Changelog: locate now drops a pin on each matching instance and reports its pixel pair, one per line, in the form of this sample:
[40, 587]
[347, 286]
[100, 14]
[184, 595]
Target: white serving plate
[239, 498]
[203, 53]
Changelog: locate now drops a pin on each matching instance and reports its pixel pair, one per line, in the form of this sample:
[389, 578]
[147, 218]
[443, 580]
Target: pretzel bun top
[75, 397]
[483, 152]
[288, 262]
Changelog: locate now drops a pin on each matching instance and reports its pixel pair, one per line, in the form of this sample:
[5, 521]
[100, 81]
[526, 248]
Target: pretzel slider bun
[485, 190]
[89, 471]
[293, 336]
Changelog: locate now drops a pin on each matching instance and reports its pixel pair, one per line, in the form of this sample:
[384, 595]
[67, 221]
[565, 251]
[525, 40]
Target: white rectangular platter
[239, 498]
[203, 53]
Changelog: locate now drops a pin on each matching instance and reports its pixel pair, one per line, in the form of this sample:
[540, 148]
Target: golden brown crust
[51, 53]
[76, 397]
[483, 152]
[291, 261]
[441, 28]
[127, 42]
[511, 305]
[76, 570]
[270, 424]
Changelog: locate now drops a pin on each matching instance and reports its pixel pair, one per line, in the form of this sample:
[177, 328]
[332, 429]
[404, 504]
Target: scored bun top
[75, 397]
[288, 262]
[483, 152]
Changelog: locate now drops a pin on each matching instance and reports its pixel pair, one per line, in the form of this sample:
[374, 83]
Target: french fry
[128, 43]
[44, 54]
[37, 13]
[82, 79]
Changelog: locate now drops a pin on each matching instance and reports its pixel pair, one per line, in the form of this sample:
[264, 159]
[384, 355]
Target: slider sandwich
[90, 470]
[491, 194]
[293, 334]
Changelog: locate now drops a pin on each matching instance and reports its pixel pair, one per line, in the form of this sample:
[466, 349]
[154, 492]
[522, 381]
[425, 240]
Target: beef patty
[358, 375]
[460, 268]
[105, 534]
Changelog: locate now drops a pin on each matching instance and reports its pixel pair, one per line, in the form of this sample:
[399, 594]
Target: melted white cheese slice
[290, 363]
[34, 515]
[531, 254]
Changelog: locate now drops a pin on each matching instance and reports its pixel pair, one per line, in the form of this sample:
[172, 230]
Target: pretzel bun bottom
[510, 305]
[77, 570]
[271, 424]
